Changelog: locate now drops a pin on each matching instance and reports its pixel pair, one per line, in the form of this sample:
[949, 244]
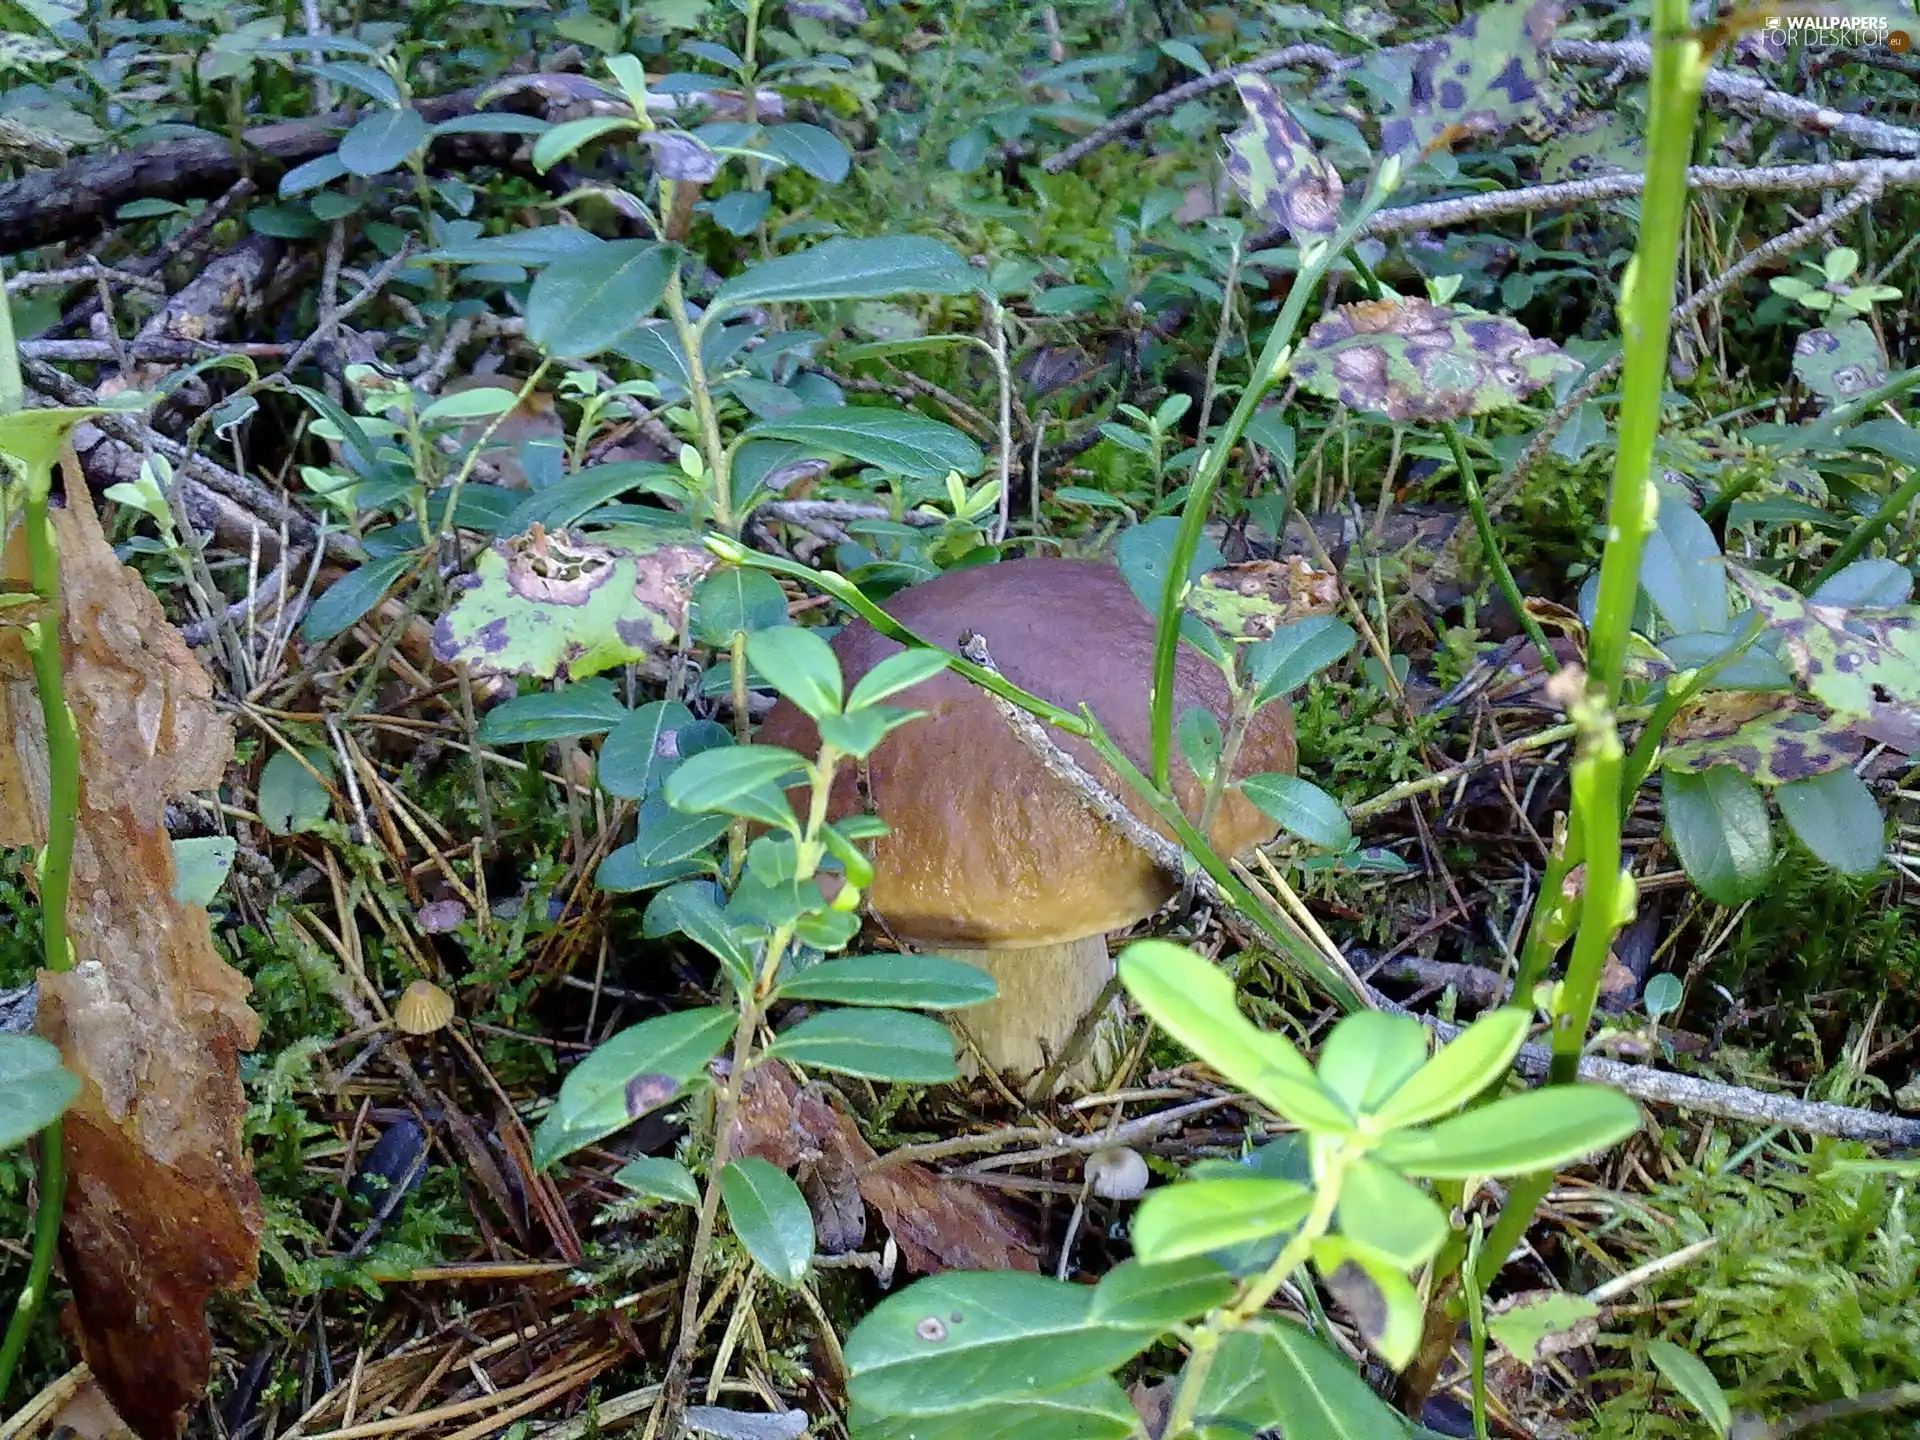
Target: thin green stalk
[1679, 67]
[1275, 357]
[1593, 831]
[1869, 529]
[719, 471]
[55, 863]
[1483, 523]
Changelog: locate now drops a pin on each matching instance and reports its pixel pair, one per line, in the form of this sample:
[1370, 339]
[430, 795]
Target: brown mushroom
[991, 859]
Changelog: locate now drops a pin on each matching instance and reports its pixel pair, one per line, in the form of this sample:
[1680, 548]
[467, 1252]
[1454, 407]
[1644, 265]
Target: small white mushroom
[1117, 1173]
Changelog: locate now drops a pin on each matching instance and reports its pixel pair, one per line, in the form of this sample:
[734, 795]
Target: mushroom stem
[1045, 992]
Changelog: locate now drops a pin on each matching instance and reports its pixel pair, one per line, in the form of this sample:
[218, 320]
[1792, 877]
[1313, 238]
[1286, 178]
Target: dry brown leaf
[161, 1207]
[938, 1223]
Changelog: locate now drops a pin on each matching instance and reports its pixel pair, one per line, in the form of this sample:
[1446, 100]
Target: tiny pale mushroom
[1117, 1172]
[990, 858]
[423, 1007]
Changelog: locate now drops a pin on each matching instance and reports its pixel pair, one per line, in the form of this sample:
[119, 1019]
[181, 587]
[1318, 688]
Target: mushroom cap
[987, 849]
[423, 1007]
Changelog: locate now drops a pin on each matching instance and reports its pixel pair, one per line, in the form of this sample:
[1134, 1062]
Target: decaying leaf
[1488, 72]
[1840, 361]
[1276, 168]
[561, 606]
[1249, 599]
[161, 1207]
[1411, 359]
[939, 1224]
[1772, 739]
[1863, 663]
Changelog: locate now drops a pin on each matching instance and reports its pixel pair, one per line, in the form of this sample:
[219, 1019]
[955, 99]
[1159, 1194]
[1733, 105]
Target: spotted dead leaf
[161, 1208]
[1276, 169]
[1772, 739]
[1603, 142]
[937, 1223]
[1252, 598]
[563, 606]
[1862, 663]
[1488, 72]
[1410, 359]
[1840, 361]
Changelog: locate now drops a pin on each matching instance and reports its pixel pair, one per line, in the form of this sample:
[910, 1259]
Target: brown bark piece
[161, 1207]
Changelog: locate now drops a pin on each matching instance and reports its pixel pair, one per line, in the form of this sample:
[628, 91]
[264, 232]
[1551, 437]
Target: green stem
[1274, 359]
[55, 872]
[1205, 1343]
[1869, 529]
[719, 470]
[1483, 523]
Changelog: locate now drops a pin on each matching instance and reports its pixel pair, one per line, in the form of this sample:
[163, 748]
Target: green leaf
[1718, 824]
[290, 799]
[1300, 808]
[1836, 818]
[35, 1088]
[1274, 1376]
[916, 982]
[770, 1216]
[859, 733]
[734, 599]
[901, 442]
[656, 1177]
[1198, 1216]
[1694, 1383]
[892, 1045]
[1198, 734]
[580, 306]
[636, 1072]
[536, 245]
[1681, 571]
[564, 139]
[964, 1339]
[1369, 1056]
[586, 707]
[1159, 1296]
[897, 673]
[1296, 652]
[800, 665]
[814, 149]
[842, 269]
[714, 779]
[480, 403]
[1477, 1057]
[1536, 1130]
[1523, 1328]
[1194, 1003]
[697, 910]
[1392, 1217]
[382, 140]
[664, 835]
[572, 497]
[200, 866]
[639, 753]
[34, 437]
[353, 595]
[1095, 1409]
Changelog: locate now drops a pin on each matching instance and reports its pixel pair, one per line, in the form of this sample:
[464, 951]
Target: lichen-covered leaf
[1603, 142]
[1411, 359]
[1863, 662]
[1277, 170]
[1486, 73]
[1772, 739]
[563, 606]
[1251, 600]
[1840, 361]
